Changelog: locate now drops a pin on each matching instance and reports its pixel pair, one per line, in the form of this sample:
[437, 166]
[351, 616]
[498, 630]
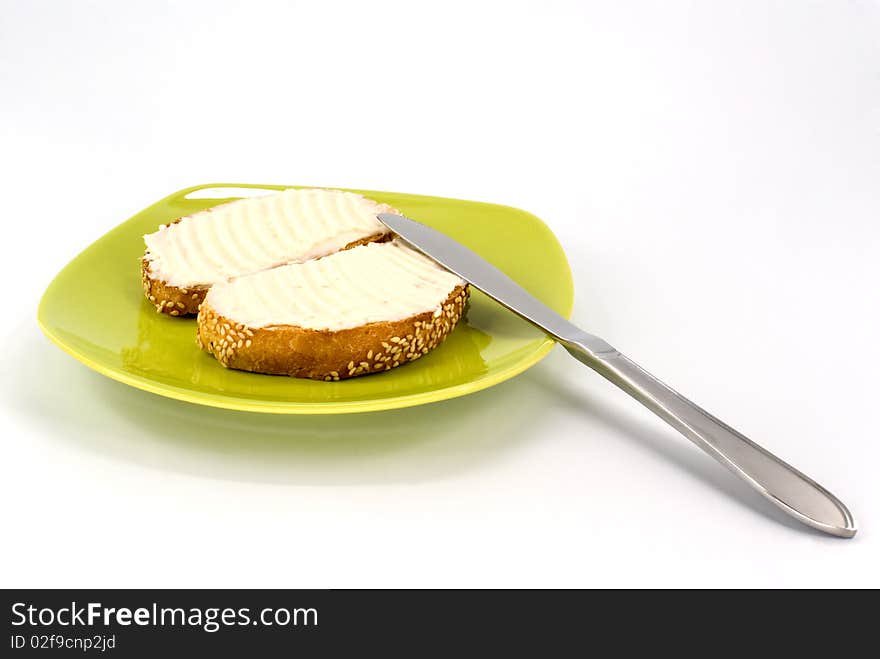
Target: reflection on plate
[94, 310]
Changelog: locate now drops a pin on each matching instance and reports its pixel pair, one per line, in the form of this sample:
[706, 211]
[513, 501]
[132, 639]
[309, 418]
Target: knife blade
[786, 487]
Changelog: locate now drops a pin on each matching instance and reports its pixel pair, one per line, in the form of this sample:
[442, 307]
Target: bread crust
[179, 301]
[325, 354]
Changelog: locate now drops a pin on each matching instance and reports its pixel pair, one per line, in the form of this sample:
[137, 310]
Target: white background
[711, 169]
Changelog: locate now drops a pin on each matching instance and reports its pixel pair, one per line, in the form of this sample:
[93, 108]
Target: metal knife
[795, 493]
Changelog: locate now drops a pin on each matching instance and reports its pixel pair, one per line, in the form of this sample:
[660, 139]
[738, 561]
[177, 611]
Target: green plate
[95, 311]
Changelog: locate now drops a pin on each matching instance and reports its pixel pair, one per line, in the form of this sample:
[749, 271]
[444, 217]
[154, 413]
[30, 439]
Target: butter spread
[372, 283]
[258, 233]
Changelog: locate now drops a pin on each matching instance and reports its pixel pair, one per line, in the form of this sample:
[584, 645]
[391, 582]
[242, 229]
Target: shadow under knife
[673, 448]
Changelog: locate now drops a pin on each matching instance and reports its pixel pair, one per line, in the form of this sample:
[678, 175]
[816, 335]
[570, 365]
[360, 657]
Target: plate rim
[229, 402]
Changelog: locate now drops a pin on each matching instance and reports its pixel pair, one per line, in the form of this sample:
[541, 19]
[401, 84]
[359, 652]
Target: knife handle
[785, 486]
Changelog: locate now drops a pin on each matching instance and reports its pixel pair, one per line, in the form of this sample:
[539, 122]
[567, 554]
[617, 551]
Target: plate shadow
[82, 408]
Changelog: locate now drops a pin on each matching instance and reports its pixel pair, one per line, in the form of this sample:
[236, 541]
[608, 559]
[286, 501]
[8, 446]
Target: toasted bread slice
[185, 258]
[359, 311]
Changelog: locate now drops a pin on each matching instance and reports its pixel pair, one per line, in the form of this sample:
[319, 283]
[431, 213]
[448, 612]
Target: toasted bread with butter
[185, 258]
[359, 311]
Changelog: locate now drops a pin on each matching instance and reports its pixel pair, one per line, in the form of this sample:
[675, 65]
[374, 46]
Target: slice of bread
[185, 258]
[359, 311]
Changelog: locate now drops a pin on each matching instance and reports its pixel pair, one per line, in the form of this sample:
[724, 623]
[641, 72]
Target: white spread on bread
[255, 234]
[371, 283]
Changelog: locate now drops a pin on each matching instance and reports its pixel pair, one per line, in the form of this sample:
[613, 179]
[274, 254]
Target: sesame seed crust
[181, 302]
[168, 299]
[328, 355]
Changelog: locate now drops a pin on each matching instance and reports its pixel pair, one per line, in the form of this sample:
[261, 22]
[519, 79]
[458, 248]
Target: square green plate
[95, 310]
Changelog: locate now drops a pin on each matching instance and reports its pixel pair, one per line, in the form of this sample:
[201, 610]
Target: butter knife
[795, 493]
